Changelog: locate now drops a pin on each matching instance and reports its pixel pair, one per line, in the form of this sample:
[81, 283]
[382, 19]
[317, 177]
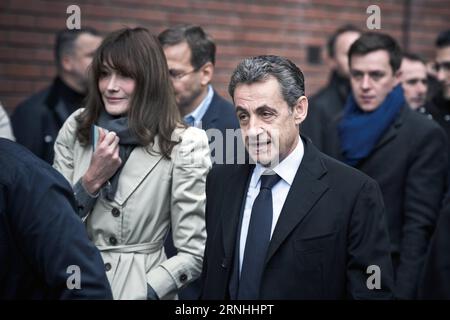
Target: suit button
[115, 212]
[107, 266]
[113, 241]
[224, 263]
[183, 277]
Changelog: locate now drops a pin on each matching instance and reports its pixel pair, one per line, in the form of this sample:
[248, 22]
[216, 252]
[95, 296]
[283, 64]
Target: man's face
[372, 79]
[188, 83]
[342, 45]
[269, 127]
[414, 82]
[443, 72]
[81, 59]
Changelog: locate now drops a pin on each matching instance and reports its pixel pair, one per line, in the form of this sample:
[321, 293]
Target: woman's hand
[104, 163]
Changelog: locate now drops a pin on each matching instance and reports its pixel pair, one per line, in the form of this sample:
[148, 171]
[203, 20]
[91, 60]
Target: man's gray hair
[260, 68]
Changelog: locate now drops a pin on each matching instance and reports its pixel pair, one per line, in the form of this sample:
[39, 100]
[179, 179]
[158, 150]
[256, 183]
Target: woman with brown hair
[137, 171]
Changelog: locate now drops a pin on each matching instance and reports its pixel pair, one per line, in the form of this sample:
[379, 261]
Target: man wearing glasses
[190, 55]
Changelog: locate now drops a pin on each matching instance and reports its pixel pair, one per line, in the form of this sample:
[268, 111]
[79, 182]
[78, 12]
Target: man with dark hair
[414, 81]
[37, 120]
[329, 101]
[190, 55]
[439, 106]
[45, 251]
[288, 227]
[404, 151]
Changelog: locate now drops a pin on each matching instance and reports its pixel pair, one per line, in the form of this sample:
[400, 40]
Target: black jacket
[42, 240]
[330, 230]
[324, 106]
[37, 120]
[435, 283]
[410, 165]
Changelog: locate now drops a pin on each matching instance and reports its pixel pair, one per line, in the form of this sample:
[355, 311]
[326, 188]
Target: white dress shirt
[286, 169]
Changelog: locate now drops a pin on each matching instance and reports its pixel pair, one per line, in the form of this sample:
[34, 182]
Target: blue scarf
[360, 131]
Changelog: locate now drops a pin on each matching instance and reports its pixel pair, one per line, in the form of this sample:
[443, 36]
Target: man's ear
[66, 63]
[398, 77]
[206, 73]
[300, 110]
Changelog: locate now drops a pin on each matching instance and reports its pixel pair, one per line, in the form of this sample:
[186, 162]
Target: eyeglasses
[445, 66]
[178, 75]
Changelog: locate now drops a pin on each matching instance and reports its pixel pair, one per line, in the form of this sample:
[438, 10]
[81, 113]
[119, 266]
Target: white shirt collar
[286, 169]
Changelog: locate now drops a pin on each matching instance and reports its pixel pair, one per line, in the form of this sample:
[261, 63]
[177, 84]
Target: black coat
[324, 106]
[219, 116]
[435, 283]
[40, 234]
[37, 120]
[331, 228]
[410, 165]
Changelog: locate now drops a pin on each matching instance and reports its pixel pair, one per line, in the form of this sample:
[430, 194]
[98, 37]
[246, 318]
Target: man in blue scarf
[405, 152]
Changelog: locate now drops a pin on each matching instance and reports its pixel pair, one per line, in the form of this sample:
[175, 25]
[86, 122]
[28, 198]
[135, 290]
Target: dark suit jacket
[410, 165]
[324, 106]
[435, 283]
[331, 228]
[40, 234]
[37, 120]
[220, 116]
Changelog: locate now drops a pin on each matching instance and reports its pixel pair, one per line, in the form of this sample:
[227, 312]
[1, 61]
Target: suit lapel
[140, 163]
[211, 115]
[235, 195]
[305, 190]
[392, 131]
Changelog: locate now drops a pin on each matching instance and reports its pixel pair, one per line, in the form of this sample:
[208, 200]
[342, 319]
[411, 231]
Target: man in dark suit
[37, 120]
[435, 280]
[45, 252]
[329, 102]
[297, 224]
[190, 55]
[403, 150]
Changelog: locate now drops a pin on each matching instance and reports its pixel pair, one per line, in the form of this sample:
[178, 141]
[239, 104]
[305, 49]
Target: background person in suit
[403, 150]
[414, 81]
[292, 230]
[42, 240]
[37, 120]
[191, 55]
[147, 172]
[435, 281]
[329, 102]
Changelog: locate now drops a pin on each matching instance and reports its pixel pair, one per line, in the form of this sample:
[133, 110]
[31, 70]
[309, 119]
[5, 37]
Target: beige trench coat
[153, 194]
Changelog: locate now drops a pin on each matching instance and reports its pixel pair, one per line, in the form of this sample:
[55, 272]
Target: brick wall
[240, 28]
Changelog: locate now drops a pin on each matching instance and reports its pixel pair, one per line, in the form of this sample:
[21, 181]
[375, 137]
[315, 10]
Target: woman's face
[116, 90]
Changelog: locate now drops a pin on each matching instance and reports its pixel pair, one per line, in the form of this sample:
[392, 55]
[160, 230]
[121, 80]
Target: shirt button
[183, 277]
[113, 241]
[107, 266]
[115, 212]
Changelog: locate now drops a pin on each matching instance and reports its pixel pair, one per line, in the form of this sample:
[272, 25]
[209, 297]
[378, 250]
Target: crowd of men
[352, 177]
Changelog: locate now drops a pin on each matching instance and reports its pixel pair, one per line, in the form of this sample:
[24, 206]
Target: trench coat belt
[144, 248]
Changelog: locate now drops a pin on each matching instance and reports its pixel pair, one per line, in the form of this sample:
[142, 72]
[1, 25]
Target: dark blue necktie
[258, 238]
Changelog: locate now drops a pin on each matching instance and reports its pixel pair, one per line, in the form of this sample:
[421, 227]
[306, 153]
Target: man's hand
[104, 163]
